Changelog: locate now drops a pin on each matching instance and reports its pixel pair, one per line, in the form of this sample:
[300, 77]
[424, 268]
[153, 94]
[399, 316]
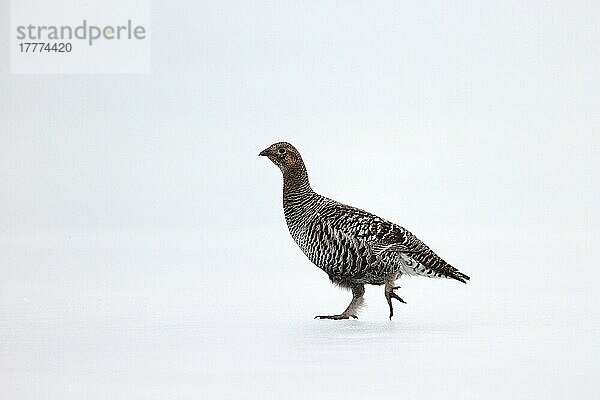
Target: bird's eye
[281, 150]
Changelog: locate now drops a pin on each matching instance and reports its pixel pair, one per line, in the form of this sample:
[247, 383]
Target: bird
[352, 246]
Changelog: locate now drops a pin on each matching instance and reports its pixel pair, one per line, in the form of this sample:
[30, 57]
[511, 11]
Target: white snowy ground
[176, 315]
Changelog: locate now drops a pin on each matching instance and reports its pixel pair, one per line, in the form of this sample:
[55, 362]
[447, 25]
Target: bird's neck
[295, 183]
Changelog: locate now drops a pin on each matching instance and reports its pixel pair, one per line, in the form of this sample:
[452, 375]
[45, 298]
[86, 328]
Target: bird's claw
[395, 296]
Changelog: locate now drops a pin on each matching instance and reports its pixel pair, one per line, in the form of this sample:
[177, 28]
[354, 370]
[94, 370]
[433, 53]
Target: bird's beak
[265, 152]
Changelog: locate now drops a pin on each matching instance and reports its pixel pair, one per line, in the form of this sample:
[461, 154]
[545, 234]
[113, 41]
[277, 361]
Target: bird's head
[284, 155]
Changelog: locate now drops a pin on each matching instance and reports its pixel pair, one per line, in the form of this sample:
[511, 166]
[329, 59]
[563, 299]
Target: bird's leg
[389, 295]
[353, 308]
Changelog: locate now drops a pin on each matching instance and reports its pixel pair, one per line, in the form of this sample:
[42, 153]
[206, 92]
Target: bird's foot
[337, 316]
[391, 295]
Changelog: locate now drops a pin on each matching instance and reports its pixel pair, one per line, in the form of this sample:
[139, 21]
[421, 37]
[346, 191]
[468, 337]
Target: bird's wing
[378, 234]
[384, 238]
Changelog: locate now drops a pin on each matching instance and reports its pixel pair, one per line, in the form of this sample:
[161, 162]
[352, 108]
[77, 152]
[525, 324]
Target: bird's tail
[436, 267]
[459, 276]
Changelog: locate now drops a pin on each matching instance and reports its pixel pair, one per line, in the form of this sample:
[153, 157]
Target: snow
[155, 315]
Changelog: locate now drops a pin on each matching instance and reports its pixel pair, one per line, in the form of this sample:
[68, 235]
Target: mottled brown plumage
[352, 246]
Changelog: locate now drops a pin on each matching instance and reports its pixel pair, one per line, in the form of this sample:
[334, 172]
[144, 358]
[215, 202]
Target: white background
[143, 252]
